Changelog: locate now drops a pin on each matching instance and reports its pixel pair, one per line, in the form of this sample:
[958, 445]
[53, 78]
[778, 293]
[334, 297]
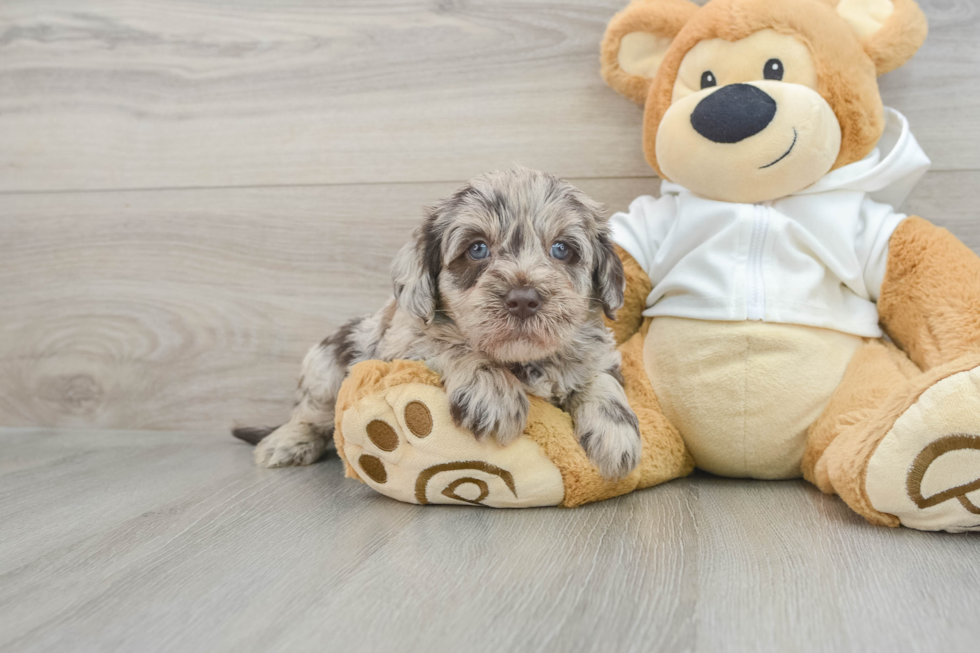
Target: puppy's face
[518, 260]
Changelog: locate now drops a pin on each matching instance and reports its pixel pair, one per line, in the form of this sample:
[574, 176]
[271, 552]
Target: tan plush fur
[876, 370]
[899, 38]
[842, 468]
[638, 287]
[664, 455]
[930, 300]
[372, 377]
[658, 17]
[744, 393]
[930, 306]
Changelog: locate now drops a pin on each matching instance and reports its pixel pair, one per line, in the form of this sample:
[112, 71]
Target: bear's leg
[394, 433]
[900, 446]
[876, 371]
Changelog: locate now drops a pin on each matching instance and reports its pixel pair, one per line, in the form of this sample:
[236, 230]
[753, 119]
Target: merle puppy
[501, 291]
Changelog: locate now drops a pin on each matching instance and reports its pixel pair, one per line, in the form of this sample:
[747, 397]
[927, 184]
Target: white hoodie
[816, 258]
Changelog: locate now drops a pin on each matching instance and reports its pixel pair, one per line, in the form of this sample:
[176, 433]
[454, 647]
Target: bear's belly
[743, 394]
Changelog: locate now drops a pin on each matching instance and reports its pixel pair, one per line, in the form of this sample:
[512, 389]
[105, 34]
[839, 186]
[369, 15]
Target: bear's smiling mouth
[785, 154]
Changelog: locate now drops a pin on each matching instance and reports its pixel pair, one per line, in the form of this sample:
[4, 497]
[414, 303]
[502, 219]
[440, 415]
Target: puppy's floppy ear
[608, 277]
[636, 41]
[890, 31]
[415, 271]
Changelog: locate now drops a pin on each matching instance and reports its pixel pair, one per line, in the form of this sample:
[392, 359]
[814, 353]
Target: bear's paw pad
[926, 470]
[403, 443]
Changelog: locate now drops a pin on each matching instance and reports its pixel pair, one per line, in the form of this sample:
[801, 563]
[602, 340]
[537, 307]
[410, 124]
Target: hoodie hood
[889, 173]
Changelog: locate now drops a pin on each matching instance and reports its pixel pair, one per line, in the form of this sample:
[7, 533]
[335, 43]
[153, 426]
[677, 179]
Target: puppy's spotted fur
[450, 309]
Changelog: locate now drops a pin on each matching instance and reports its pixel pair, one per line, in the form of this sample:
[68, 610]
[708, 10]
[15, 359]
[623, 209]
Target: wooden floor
[161, 541]
[192, 192]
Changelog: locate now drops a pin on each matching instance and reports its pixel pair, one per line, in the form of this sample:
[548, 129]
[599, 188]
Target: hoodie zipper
[755, 295]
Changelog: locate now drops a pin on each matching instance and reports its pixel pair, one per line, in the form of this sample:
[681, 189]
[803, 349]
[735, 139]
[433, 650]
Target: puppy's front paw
[290, 445]
[610, 435]
[490, 404]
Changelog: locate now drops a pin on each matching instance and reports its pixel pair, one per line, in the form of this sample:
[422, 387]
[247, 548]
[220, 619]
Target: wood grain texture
[163, 94]
[153, 541]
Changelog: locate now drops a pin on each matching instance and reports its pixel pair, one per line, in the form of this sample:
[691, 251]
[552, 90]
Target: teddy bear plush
[782, 319]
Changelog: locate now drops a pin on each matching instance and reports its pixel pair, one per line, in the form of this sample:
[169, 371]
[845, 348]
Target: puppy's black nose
[523, 302]
[733, 113]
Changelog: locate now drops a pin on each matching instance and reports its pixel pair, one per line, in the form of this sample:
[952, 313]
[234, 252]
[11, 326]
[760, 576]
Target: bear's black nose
[733, 113]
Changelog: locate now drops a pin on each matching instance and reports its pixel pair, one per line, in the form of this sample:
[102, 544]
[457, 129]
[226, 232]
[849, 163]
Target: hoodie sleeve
[642, 230]
[878, 222]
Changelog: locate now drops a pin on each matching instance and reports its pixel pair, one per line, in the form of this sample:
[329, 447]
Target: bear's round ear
[636, 40]
[890, 31]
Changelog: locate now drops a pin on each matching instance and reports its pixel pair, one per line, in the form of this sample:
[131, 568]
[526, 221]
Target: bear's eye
[708, 79]
[479, 251]
[773, 70]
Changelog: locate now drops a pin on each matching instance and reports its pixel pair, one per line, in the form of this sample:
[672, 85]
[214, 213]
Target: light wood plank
[190, 94]
[790, 569]
[146, 541]
[191, 309]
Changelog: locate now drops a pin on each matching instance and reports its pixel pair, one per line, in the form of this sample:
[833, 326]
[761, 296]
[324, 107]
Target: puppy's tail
[252, 434]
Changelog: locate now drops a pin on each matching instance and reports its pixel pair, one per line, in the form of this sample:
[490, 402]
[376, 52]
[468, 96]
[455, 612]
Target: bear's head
[751, 100]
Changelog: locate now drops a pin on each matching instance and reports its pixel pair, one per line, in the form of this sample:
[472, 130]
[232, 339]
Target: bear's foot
[394, 432]
[403, 443]
[926, 469]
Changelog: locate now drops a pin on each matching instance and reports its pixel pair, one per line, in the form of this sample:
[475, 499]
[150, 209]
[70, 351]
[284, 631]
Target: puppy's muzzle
[522, 302]
[733, 113]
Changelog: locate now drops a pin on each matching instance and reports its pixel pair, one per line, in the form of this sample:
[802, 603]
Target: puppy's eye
[478, 251]
[560, 251]
[773, 70]
[708, 79]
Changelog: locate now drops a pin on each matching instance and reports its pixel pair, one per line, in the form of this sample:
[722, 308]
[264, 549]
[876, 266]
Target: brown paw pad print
[417, 418]
[929, 455]
[450, 490]
[403, 443]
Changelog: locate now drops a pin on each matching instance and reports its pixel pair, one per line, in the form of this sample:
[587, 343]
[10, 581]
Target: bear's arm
[642, 230]
[638, 286]
[930, 298]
